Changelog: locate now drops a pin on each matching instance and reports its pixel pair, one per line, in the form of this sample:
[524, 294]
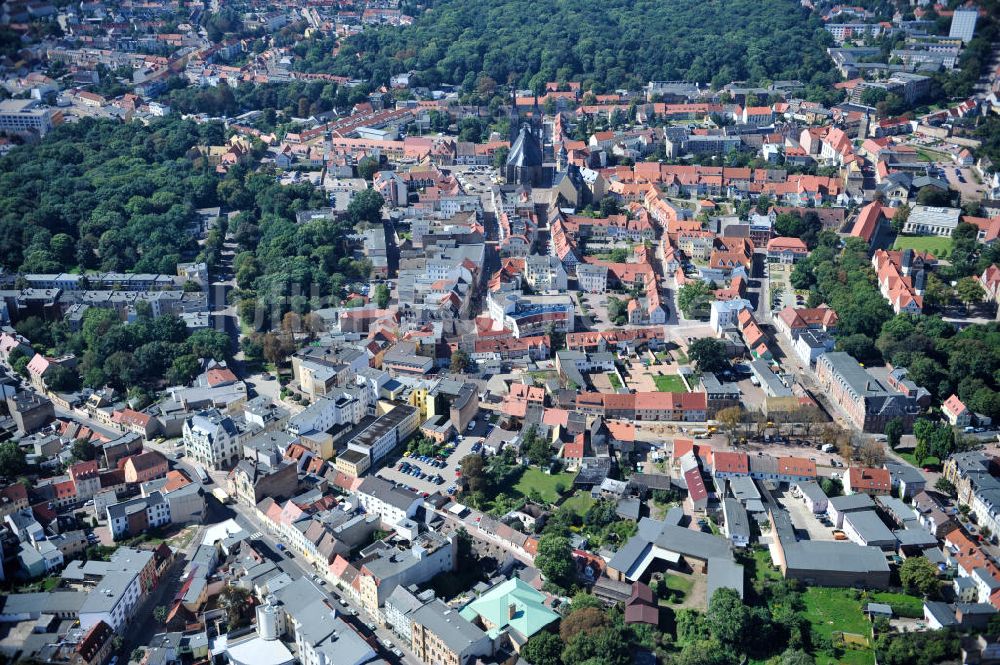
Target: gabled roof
[867, 478]
[731, 462]
[525, 152]
[954, 406]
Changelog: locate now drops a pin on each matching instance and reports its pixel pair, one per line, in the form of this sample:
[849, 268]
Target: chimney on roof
[511, 611]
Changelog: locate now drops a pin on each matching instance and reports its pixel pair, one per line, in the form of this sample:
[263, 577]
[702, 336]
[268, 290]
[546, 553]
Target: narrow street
[297, 567]
[145, 625]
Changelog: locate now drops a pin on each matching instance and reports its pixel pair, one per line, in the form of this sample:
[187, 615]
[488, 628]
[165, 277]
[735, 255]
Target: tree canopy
[466, 43]
[709, 354]
[105, 195]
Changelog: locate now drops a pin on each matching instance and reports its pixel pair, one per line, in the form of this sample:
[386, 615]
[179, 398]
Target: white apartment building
[545, 273]
[379, 438]
[592, 278]
[212, 439]
[27, 116]
[392, 504]
[125, 518]
[725, 312]
[119, 586]
[333, 410]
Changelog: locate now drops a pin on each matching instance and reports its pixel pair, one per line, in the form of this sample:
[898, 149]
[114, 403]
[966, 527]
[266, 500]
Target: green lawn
[763, 569]
[901, 603]
[932, 244]
[681, 585]
[579, 503]
[533, 478]
[669, 383]
[834, 610]
[615, 383]
[45, 584]
[931, 461]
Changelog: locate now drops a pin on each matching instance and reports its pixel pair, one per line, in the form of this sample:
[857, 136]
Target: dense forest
[104, 195]
[293, 98]
[604, 44]
[111, 196]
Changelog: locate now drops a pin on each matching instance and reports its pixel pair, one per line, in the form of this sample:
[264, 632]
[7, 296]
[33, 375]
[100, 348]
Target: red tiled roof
[147, 460]
[695, 484]
[218, 376]
[867, 478]
[797, 466]
[94, 641]
[731, 462]
[954, 405]
[175, 481]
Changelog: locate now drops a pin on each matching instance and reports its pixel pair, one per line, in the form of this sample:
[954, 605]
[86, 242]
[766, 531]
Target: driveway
[803, 519]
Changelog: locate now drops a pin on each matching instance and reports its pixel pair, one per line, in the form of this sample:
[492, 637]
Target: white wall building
[592, 278]
[212, 439]
[392, 504]
[927, 220]
[724, 312]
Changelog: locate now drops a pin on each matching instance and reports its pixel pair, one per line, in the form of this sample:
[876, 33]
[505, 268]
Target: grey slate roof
[869, 527]
[825, 555]
[386, 492]
[724, 573]
[670, 537]
[454, 630]
[813, 491]
[942, 612]
[905, 473]
[852, 502]
[34, 604]
[737, 522]
[525, 151]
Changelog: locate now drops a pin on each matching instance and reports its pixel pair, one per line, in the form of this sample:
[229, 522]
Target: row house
[784, 469]
[612, 228]
[696, 245]
[512, 348]
[545, 273]
[631, 339]
[657, 406]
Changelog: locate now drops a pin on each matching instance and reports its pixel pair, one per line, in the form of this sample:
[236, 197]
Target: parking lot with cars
[818, 527]
[476, 179]
[429, 474]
